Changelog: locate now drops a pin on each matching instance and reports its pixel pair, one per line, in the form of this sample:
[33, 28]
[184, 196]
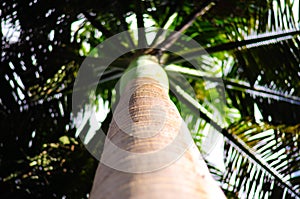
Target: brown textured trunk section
[146, 122]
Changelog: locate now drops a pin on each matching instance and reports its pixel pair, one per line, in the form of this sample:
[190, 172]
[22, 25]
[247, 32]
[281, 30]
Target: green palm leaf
[243, 152]
[255, 53]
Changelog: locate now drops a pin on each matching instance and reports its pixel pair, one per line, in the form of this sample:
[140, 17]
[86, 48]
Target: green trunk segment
[145, 66]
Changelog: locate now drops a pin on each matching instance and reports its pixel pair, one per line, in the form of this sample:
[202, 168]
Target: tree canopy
[254, 54]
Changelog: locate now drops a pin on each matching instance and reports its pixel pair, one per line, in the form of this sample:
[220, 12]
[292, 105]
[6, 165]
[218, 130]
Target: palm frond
[181, 28]
[139, 10]
[235, 84]
[272, 67]
[274, 145]
[237, 144]
[253, 41]
[260, 91]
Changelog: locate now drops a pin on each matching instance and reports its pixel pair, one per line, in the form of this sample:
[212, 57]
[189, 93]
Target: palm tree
[254, 58]
[153, 127]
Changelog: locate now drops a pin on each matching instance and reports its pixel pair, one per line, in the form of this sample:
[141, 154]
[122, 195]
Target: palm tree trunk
[158, 157]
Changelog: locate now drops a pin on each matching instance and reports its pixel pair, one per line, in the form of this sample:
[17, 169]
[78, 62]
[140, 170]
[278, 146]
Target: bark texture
[160, 152]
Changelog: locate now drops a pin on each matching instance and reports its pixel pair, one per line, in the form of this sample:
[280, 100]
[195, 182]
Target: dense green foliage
[254, 48]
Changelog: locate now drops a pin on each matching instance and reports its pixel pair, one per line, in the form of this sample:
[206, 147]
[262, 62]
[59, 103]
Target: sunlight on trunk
[147, 125]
